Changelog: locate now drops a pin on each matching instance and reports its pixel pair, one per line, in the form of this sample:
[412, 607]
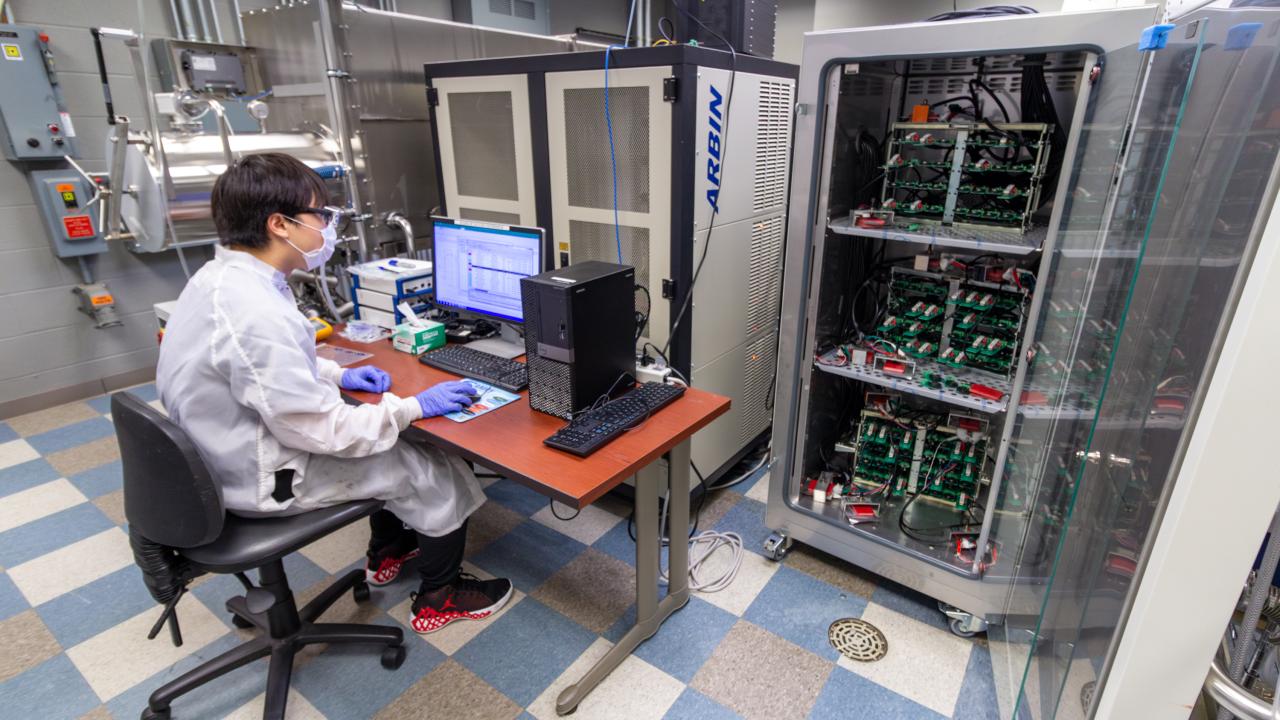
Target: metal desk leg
[650, 613]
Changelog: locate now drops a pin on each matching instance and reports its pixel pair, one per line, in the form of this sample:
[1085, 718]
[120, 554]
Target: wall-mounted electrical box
[62, 197]
[34, 124]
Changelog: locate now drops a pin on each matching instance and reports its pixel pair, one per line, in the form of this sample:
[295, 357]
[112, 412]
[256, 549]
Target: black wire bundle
[1037, 106]
[866, 159]
[988, 11]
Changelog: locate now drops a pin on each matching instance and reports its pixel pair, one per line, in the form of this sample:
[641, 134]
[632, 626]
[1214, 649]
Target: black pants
[440, 558]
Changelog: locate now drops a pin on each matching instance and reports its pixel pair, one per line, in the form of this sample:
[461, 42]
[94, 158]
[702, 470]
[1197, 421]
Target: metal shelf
[872, 376]
[1007, 242]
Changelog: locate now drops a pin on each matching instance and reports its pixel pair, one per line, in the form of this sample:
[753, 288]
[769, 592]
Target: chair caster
[777, 545]
[360, 592]
[241, 622]
[393, 657]
[149, 714]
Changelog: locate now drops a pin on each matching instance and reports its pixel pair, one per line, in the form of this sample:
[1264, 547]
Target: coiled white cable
[701, 547]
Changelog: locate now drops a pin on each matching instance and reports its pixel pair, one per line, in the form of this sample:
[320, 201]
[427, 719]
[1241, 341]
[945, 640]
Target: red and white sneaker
[382, 567]
[468, 598]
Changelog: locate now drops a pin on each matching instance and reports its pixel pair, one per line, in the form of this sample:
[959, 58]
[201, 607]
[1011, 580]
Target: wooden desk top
[509, 439]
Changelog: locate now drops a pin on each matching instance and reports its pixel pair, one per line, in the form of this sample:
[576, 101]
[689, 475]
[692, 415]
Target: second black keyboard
[462, 360]
[587, 432]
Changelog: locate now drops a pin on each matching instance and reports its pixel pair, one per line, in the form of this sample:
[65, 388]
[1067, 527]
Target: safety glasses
[328, 215]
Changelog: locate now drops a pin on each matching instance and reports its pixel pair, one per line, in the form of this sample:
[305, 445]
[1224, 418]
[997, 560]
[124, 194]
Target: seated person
[238, 372]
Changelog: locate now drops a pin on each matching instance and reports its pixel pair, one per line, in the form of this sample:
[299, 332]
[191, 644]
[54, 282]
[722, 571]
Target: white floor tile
[636, 690]
[752, 577]
[15, 452]
[40, 501]
[760, 491]
[159, 406]
[73, 566]
[453, 636]
[916, 651]
[120, 658]
[335, 551]
[299, 708]
[587, 527]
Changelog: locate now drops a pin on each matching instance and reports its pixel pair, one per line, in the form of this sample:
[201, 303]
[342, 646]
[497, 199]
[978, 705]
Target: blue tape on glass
[1241, 36]
[1155, 37]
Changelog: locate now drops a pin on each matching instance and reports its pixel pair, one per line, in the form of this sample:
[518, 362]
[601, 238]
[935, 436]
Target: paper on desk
[342, 356]
[491, 398]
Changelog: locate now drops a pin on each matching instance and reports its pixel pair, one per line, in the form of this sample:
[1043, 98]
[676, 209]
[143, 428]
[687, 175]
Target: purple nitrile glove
[367, 378]
[446, 397]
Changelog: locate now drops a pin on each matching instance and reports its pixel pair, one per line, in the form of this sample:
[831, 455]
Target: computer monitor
[478, 266]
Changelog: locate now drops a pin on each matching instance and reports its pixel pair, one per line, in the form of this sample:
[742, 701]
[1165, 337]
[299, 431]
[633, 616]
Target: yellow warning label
[12, 52]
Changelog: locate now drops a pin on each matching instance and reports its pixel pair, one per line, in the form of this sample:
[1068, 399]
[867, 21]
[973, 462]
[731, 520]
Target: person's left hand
[366, 378]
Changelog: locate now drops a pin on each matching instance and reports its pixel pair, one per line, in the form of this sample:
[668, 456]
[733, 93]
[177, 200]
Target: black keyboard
[462, 360]
[589, 431]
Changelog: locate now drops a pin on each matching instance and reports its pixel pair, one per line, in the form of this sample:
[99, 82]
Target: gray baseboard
[72, 393]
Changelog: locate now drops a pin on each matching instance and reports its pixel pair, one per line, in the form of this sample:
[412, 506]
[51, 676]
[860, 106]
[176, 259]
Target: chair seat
[247, 543]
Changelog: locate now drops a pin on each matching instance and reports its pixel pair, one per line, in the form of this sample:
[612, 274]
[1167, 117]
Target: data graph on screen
[478, 269]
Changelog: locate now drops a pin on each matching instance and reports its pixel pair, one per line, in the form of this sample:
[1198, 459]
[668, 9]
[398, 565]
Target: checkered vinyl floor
[74, 615]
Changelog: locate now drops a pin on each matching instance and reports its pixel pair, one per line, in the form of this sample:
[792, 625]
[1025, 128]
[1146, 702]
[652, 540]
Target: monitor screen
[478, 268]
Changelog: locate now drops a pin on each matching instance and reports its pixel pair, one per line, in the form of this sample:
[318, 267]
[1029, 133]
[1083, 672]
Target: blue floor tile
[25, 476]
[977, 699]
[516, 497]
[7, 433]
[71, 435]
[528, 555]
[98, 606]
[38, 537]
[12, 600]
[147, 393]
[100, 480]
[52, 690]
[684, 642]
[618, 544]
[347, 681]
[845, 691]
[747, 519]
[101, 403]
[227, 689]
[745, 486]
[693, 705]
[523, 651]
[909, 603]
[800, 608]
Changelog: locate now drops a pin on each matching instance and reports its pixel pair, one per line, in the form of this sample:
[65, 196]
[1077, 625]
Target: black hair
[257, 186]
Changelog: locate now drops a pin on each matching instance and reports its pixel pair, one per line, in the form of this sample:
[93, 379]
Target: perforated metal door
[486, 148]
[582, 192]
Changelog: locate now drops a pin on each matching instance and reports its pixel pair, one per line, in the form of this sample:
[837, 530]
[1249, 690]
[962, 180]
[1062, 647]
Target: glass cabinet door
[1128, 354]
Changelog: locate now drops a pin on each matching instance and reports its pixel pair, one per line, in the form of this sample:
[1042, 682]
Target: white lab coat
[238, 372]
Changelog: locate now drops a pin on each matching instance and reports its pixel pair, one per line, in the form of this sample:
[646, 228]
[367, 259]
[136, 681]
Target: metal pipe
[86, 269]
[188, 21]
[116, 199]
[1234, 699]
[330, 17]
[204, 21]
[398, 219]
[235, 8]
[177, 19]
[217, 24]
[302, 276]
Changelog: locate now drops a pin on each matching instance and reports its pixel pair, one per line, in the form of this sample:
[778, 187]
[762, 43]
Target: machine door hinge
[669, 87]
[433, 97]
[668, 288]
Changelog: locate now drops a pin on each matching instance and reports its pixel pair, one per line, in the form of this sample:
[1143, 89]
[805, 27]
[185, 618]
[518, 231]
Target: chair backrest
[169, 495]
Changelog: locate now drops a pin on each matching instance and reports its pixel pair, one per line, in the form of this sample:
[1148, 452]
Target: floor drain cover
[857, 639]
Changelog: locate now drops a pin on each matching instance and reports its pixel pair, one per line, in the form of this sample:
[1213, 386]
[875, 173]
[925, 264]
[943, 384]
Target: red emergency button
[44, 37]
[53, 128]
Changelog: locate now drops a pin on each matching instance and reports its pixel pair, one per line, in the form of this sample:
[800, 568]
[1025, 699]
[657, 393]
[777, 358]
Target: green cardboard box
[417, 339]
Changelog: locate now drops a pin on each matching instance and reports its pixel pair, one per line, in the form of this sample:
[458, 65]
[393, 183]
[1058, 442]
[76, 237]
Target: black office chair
[178, 531]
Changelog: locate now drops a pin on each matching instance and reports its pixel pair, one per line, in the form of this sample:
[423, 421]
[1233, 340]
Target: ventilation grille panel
[764, 274]
[757, 383]
[524, 9]
[550, 382]
[997, 63]
[773, 134]
[500, 7]
[484, 144]
[493, 216]
[596, 241]
[587, 163]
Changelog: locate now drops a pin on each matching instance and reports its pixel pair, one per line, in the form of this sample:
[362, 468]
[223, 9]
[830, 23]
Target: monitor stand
[508, 344]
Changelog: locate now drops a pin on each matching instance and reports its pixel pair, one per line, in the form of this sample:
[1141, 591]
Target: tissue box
[417, 339]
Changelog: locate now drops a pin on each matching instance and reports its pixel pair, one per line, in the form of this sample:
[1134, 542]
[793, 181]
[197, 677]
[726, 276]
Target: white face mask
[319, 256]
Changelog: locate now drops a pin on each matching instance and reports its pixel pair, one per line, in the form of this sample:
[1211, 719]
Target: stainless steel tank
[169, 189]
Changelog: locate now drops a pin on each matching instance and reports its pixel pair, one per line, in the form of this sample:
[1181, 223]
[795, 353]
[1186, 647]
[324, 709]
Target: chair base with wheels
[178, 530]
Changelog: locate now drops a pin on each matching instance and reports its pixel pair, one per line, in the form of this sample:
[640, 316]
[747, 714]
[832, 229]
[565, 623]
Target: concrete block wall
[49, 352]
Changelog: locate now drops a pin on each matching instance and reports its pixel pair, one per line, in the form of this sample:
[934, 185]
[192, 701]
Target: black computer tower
[579, 335]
